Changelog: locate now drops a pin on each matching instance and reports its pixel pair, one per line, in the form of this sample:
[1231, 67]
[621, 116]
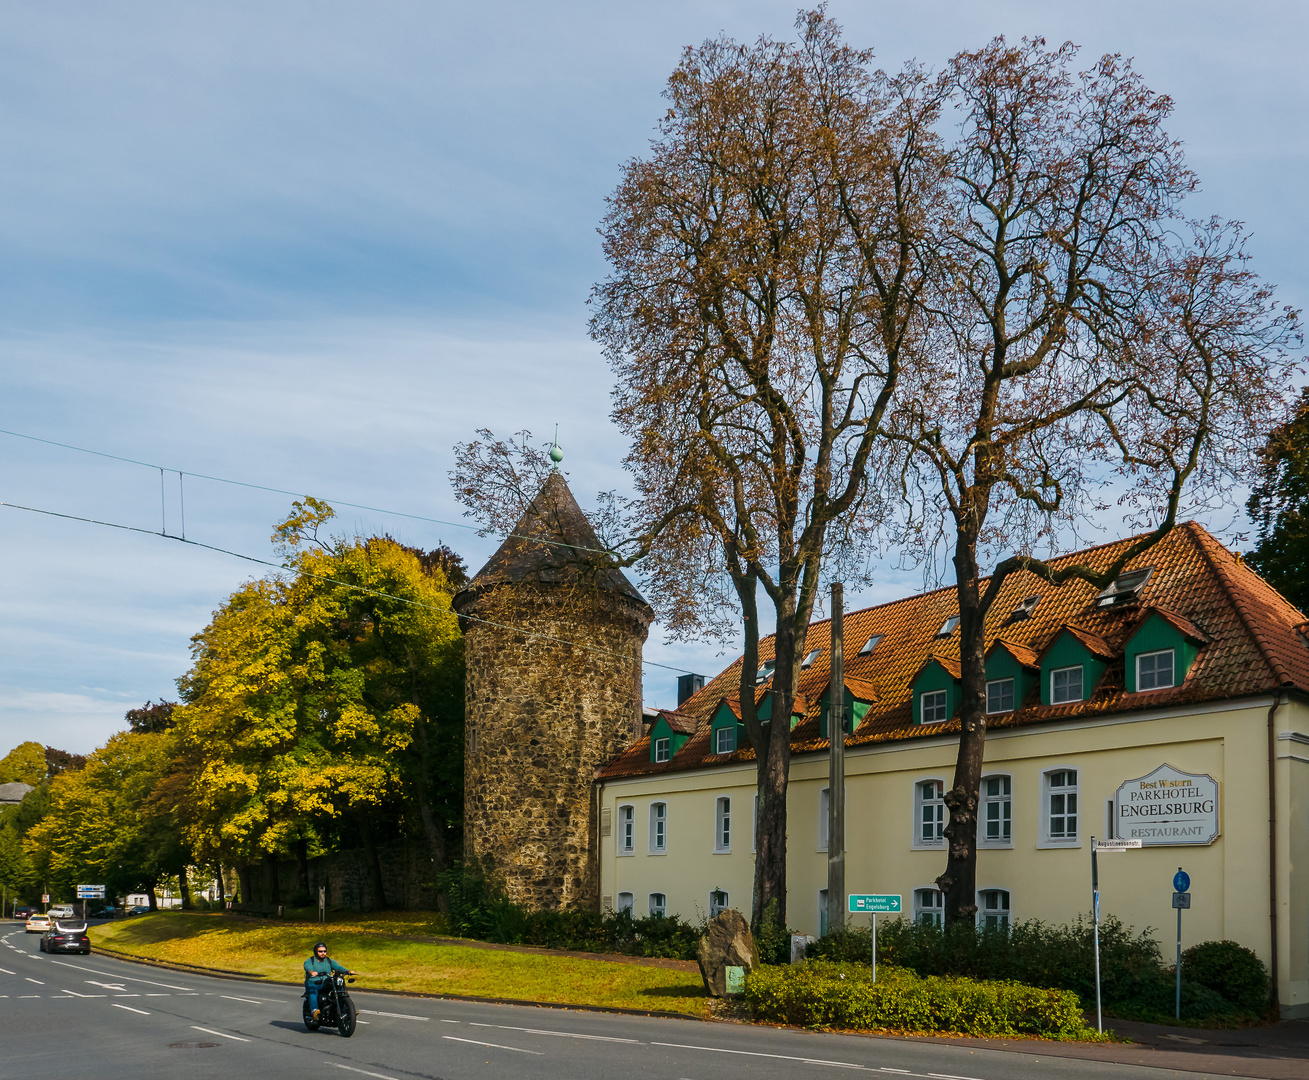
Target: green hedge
[821, 994]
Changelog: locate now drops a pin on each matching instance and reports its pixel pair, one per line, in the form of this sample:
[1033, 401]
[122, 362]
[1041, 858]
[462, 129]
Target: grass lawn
[278, 951]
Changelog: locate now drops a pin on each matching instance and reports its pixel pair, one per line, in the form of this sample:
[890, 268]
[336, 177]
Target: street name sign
[1104, 847]
[875, 903]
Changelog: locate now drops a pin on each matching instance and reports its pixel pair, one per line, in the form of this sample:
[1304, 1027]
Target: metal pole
[874, 946]
[1178, 1003]
[1095, 923]
[836, 771]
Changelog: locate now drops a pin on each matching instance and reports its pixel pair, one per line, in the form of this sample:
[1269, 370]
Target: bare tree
[1087, 342]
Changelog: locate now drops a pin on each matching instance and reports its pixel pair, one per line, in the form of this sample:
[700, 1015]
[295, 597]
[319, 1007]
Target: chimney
[687, 685]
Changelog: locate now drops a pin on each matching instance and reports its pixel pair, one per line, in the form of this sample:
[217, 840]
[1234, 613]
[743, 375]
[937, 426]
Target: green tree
[24, 764]
[1279, 507]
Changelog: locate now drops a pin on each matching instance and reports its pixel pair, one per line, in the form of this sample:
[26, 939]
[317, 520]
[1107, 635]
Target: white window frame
[983, 816]
[1007, 912]
[1172, 670]
[625, 836]
[718, 739]
[824, 816]
[662, 907]
[722, 824]
[627, 902]
[658, 837]
[1081, 670]
[1013, 695]
[936, 910]
[944, 695]
[1048, 793]
[920, 804]
[663, 749]
[718, 909]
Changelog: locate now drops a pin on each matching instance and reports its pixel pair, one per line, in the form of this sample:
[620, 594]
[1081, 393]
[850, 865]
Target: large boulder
[727, 942]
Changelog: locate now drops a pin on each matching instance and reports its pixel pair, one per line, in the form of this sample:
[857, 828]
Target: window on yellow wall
[626, 830]
[929, 907]
[997, 810]
[658, 903]
[658, 828]
[929, 813]
[723, 824]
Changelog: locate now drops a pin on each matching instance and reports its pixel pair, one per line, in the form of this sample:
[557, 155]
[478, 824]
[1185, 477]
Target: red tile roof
[1254, 646]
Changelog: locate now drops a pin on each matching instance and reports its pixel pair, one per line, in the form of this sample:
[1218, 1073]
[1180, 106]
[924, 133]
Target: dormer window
[1024, 609]
[870, 645]
[1125, 588]
[947, 627]
[765, 671]
[810, 658]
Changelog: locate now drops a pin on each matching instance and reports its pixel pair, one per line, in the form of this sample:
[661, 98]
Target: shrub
[826, 994]
[773, 941]
[1230, 970]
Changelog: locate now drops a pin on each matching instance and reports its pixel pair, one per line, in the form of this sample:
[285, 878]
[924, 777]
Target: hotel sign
[1168, 807]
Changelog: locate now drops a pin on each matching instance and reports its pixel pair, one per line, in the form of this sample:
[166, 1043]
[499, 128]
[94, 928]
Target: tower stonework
[552, 644]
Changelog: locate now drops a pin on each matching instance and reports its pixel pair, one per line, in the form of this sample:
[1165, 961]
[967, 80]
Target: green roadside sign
[875, 903]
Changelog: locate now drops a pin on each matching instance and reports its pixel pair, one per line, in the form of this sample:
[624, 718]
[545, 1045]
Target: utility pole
[836, 769]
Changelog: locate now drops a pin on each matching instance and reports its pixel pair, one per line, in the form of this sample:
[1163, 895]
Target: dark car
[138, 909]
[24, 911]
[66, 937]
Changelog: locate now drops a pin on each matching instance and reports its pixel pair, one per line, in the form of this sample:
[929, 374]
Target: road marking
[211, 1031]
[107, 986]
[947, 1076]
[778, 1057]
[29, 995]
[449, 1021]
[129, 1008]
[76, 994]
[127, 995]
[159, 995]
[37, 981]
[5, 971]
[365, 1072]
[569, 1035]
[398, 1016]
[120, 978]
[494, 1046]
[229, 997]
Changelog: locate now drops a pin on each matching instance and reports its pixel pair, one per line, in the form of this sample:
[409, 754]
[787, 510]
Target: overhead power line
[284, 491]
[334, 581]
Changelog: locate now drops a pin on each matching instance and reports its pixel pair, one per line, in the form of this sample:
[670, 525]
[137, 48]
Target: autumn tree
[1279, 507]
[1089, 345]
[24, 764]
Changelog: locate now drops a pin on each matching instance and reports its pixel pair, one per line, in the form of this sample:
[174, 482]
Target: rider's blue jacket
[320, 969]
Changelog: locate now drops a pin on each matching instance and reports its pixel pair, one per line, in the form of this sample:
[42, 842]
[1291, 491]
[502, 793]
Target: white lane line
[37, 981]
[220, 1034]
[398, 1016]
[159, 995]
[120, 978]
[494, 1046]
[127, 995]
[6, 971]
[76, 994]
[569, 1035]
[29, 995]
[363, 1072]
[129, 1008]
[947, 1076]
[444, 1021]
[251, 1001]
[777, 1057]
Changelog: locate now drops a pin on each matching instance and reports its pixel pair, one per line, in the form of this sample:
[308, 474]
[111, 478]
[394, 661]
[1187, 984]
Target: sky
[311, 246]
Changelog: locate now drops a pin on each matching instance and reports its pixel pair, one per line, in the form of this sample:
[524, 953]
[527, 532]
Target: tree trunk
[773, 776]
[151, 902]
[184, 888]
[274, 882]
[302, 864]
[959, 882]
[374, 869]
[434, 834]
[243, 880]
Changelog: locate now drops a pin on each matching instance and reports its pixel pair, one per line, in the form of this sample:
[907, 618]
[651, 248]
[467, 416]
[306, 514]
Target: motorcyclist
[317, 968]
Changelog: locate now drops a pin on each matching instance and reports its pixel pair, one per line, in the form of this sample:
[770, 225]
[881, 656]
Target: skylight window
[947, 627]
[810, 658]
[1025, 608]
[1125, 588]
[765, 671]
[870, 645]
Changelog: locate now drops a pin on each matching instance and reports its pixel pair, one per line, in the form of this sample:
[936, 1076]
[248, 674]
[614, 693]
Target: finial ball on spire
[556, 451]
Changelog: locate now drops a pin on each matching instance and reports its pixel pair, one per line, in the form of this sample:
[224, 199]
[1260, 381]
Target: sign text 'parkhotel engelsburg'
[1168, 807]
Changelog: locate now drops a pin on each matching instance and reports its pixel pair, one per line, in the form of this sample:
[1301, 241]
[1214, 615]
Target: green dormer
[1160, 651]
[1072, 665]
[859, 698]
[726, 732]
[668, 734]
[1012, 670]
[936, 690]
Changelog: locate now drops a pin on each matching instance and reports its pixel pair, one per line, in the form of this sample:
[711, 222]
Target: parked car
[38, 923]
[137, 909]
[106, 911]
[62, 911]
[66, 937]
[24, 911]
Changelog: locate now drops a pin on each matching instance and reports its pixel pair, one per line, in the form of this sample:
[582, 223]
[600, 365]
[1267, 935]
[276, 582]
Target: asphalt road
[67, 1017]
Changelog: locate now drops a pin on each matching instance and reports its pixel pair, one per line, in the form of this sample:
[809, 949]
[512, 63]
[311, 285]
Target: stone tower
[552, 638]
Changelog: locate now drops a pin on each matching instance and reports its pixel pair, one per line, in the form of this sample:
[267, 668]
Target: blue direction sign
[876, 903]
[1181, 880]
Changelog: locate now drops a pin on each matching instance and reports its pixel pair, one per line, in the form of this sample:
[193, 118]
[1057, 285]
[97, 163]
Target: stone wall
[542, 713]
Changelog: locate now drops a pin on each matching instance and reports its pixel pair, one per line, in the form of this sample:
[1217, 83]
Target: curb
[223, 973]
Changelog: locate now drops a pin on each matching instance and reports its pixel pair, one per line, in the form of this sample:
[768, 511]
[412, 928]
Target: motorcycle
[334, 1006]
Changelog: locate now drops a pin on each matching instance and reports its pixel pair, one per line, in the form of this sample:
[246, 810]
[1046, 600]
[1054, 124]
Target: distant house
[12, 794]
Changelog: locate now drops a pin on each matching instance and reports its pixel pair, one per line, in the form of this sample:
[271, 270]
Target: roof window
[1125, 588]
[870, 645]
[765, 671]
[1024, 609]
[947, 627]
[810, 658]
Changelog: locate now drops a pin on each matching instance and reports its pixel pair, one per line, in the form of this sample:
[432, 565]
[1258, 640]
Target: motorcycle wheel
[310, 1023]
[346, 1016]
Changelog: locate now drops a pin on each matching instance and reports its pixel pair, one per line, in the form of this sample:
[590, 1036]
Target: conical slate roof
[552, 543]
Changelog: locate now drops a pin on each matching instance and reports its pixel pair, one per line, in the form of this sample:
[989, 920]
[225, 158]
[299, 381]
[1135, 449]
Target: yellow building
[1172, 708]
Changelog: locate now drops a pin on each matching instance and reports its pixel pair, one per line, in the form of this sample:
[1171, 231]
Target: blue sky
[313, 245]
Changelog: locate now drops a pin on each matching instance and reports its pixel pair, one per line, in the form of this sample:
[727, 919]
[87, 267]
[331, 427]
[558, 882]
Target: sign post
[1181, 900]
[1106, 846]
[873, 903]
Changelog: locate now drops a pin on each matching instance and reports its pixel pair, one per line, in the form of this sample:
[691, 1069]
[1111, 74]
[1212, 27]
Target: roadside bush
[773, 942]
[1230, 970]
[825, 994]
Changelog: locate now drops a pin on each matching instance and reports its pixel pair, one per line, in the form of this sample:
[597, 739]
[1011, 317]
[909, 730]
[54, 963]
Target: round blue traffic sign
[1181, 880]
